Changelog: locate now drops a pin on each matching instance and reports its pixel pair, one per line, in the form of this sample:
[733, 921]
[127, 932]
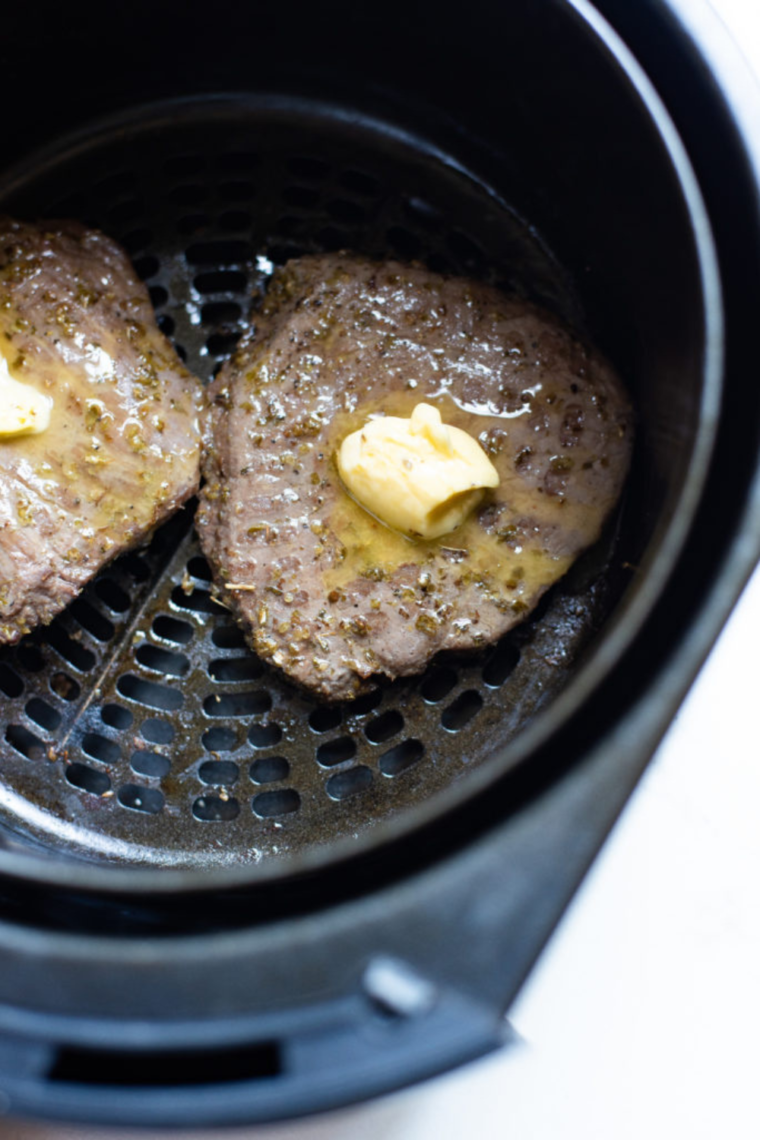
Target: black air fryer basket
[222, 901]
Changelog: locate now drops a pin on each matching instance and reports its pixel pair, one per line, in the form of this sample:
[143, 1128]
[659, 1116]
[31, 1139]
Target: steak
[121, 452]
[322, 589]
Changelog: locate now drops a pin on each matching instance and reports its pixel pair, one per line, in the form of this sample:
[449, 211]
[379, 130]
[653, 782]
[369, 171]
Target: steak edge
[122, 452]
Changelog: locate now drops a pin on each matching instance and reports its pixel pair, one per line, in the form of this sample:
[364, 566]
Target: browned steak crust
[122, 450]
[322, 589]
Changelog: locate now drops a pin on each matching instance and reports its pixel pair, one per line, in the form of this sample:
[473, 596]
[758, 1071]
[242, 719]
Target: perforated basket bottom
[138, 727]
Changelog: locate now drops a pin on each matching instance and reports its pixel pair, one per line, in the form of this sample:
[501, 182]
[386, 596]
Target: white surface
[641, 1020]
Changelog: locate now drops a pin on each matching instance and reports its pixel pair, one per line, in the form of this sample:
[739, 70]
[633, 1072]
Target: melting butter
[418, 475]
[23, 410]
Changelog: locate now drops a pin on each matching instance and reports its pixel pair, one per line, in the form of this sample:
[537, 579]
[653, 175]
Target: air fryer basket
[222, 900]
[154, 736]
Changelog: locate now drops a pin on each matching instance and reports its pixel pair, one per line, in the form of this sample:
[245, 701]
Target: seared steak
[322, 589]
[122, 449]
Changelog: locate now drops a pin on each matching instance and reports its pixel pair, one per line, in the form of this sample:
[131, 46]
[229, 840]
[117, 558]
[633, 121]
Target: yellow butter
[418, 475]
[23, 410]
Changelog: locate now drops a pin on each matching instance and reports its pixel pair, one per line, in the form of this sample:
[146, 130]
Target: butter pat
[23, 410]
[418, 475]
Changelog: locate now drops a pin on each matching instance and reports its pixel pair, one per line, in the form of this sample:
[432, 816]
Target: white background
[642, 1019]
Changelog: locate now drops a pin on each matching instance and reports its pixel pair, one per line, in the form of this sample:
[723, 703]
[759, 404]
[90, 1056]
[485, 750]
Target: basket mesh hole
[65, 686]
[264, 735]
[219, 253]
[101, 748]
[148, 800]
[304, 196]
[438, 684]
[404, 755]
[269, 769]
[215, 809]
[150, 764]
[461, 711]
[157, 731]
[148, 693]
[163, 661]
[30, 657]
[10, 683]
[344, 784]
[344, 211]
[221, 312]
[336, 751]
[237, 191]
[82, 659]
[324, 718]
[228, 637]
[332, 239]
[283, 801]
[239, 161]
[197, 601]
[252, 703]
[219, 739]
[221, 281]
[366, 702]
[279, 253]
[43, 714]
[290, 227]
[112, 594]
[188, 194]
[146, 267]
[166, 324]
[191, 224]
[88, 779]
[184, 165]
[235, 220]
[25, 742]
[234, 669]
[307, 167]
[383, 727]
[218, 772]
[116, 716]
[501, 664]
[135, 566]
[158, 295]
[222, 344]
[172, 629]
[91, 620]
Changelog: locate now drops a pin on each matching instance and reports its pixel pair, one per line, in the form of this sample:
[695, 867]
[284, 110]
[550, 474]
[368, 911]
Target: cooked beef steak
[122, 449]
[324, 590]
